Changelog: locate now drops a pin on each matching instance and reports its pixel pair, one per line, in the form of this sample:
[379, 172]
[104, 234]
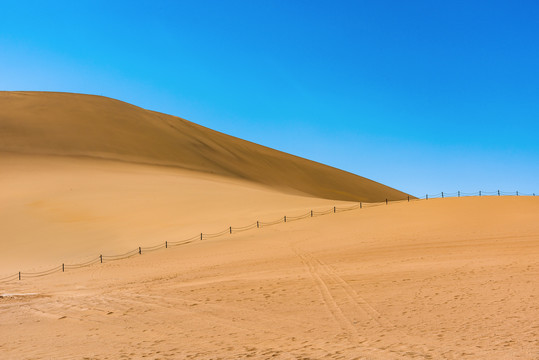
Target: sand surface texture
[436, 279]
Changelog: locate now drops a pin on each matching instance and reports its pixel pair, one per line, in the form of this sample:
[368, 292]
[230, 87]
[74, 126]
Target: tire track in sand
[358, 313]
[329, 300]
[366, 309]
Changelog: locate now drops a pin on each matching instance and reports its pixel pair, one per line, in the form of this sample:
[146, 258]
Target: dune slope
[84, 125]
[436, 279]
[60, 209]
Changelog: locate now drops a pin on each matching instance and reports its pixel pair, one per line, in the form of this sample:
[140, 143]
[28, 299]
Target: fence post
[63, 268]
[101, 258]
[285, 218]
[442, 194]
[19, 275]
[517, 192]
[166, 244]
[334, 209]
[311, 213]
[257, 225]
[427, 196]
[459, 193]
[361, 205]
[200, 236]
[139, 250]
[498, 192]
[386, 201]
[231, 229]
[479, 192]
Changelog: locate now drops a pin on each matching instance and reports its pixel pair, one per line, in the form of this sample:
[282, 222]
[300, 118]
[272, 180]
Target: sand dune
[86, 175]
[436, 279]
[84, 125]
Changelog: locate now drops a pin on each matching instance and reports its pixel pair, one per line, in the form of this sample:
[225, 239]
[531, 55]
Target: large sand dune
[84, 125]
[436, 279]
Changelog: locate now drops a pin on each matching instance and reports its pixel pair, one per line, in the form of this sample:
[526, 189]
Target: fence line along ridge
[232, 230]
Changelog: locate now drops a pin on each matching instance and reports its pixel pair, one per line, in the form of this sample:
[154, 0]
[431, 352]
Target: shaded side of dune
[68, 124]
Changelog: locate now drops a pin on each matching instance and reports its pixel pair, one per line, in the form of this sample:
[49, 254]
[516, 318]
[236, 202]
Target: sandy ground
[436, 279]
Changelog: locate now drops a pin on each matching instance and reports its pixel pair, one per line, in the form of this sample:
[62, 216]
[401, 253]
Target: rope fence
[478, 193]
[232, 230]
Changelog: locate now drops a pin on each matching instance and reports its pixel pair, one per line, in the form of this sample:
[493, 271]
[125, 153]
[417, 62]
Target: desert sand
[446, 278]
[436, 279]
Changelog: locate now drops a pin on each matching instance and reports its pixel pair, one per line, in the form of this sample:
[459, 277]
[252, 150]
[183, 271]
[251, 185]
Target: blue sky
[424, 96]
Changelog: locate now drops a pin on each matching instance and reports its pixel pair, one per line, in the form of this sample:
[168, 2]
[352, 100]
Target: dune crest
[66, 124]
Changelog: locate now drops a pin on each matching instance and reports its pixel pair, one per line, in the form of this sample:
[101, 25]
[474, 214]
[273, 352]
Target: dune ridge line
[233, 230]
[66, 124]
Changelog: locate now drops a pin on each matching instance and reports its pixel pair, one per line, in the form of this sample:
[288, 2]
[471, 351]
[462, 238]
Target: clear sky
[424, 96]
